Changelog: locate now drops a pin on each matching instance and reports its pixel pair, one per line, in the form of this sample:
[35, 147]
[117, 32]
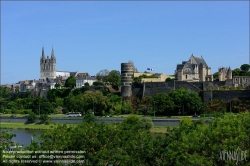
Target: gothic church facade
[47, 66]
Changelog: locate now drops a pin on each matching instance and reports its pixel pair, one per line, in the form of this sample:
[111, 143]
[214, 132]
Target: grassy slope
[9, 125]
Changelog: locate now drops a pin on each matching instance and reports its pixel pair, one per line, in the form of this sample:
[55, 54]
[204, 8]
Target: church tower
[48, 66]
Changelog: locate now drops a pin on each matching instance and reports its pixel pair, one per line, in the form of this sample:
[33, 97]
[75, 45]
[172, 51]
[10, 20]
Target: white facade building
[82, 78]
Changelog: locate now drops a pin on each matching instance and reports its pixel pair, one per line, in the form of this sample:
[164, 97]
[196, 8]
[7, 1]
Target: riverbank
[33, 126]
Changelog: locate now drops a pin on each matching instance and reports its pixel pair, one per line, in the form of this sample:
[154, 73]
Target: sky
[92, 36]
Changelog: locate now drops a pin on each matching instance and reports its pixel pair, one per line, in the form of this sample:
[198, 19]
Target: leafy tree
[70, 82]
[126, 107]
[77, 91]
[42, 106]
[162, 103]
[146, 123]
[86, 84]
[57, 85]
[236, 72]
[4, 92]
[43, 118]
[31, 118]
[98, 83]
[114, 78]
[215, 76]
[169, 79]
[89, 117]
[245, 67]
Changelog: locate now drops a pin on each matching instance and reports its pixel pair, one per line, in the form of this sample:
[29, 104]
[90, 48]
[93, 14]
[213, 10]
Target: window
[186, 76]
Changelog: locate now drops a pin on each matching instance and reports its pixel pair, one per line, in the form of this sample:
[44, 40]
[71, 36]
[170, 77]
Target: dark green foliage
[245, 67]
[43, 118]
[192, 143]
[42, 106]
[31, 118]
[4, 92]
[242, 71]
[86, 84]
[126, 108]
[57, 85]
[162, 103]
[187, 103]
[89, 117]
[77, 91]
[98, 83]
[215, 76]
[70, 82]
[169, 79]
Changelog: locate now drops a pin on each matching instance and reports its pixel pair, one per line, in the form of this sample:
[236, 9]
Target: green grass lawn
[33, 126]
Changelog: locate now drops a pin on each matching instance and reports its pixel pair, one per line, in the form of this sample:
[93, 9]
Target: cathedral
[48, 66]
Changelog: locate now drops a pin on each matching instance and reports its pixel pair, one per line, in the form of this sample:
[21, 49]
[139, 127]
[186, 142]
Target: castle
[224, 74]
[193, 70]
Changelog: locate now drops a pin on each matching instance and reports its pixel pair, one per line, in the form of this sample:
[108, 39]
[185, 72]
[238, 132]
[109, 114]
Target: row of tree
[177, 102]
[223, 141]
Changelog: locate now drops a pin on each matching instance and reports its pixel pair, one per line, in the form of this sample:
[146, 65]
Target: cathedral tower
[48, 66]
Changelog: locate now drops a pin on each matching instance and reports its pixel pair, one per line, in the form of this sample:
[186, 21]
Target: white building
[82, 78]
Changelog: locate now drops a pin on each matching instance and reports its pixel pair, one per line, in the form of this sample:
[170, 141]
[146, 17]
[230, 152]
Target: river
[23, 137]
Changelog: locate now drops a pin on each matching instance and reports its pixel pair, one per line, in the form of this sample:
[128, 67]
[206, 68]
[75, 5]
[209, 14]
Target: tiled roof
[200, 60]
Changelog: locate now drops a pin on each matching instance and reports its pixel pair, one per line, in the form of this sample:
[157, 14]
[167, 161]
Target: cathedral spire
[42, 57]
[52, 53]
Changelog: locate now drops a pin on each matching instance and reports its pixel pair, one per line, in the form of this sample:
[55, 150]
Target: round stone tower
[127, 71]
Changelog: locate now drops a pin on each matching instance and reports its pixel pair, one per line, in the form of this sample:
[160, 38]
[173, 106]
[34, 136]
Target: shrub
[89, 117]
[43, 118]
[126, 108]
[146, 123]
[31, 117]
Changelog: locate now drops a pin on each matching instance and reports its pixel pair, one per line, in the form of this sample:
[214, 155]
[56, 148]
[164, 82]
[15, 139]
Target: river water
[23, 137]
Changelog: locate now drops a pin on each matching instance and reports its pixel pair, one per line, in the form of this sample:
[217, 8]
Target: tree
[31, 118]
[186, 102]
[236, 72]
[102, 76]
[162, 103]
[89, 117]
[86, 84]
[43, 118]
[114, 78]
[215, 76]
[42, 106]
[169, 79]
[245, 67]
[70, 82]
[57, 85]
[146, 123]
[126, 108]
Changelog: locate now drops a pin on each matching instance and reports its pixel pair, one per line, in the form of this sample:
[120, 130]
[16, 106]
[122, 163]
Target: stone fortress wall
[207, 90]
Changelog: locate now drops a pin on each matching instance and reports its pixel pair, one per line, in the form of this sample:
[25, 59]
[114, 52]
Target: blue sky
[91, 36]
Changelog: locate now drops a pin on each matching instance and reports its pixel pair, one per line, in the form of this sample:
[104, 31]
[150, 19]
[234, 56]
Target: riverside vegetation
[130, 142]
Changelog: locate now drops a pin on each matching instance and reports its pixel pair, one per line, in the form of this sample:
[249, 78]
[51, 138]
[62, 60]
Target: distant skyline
[92, 36]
